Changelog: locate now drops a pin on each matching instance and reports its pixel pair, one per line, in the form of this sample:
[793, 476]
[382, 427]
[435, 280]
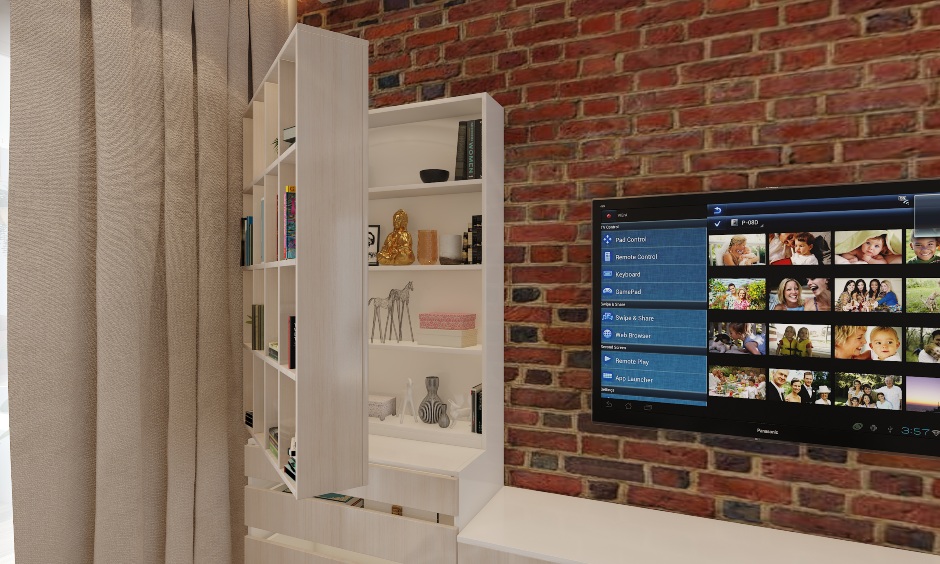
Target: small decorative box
[450, 321]
[381, 406]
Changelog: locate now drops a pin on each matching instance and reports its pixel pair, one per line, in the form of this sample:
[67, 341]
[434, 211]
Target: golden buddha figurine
[397, 248]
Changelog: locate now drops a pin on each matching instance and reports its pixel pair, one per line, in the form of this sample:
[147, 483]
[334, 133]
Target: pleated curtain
[124, 283]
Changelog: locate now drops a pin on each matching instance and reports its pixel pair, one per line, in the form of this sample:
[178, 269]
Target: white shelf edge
[426, 189]
[287, 156]
[458, 435]
[426, 267]
[409, 346]
[286, 262]
[272, 264]
[292, 374]
[442, 108]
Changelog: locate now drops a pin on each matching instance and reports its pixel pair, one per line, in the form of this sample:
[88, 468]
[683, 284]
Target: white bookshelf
[402, 141]
[322, 401]
[441, 476]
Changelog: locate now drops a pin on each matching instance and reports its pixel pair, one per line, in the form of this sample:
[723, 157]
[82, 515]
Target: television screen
[802, 314]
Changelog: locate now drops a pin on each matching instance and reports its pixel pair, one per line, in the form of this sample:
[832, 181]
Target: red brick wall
[612, 97]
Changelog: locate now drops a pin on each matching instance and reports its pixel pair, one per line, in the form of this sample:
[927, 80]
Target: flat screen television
[798, 314]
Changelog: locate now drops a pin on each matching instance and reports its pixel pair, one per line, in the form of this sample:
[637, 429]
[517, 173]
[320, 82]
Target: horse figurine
[398, 301]
[380, 303]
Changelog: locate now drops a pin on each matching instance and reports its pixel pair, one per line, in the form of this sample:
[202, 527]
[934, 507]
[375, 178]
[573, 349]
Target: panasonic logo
[768, 431]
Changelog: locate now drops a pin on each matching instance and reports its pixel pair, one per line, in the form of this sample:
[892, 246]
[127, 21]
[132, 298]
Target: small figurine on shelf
[409, 400]
[377, 304]
[397, 249]
[459, 409]
[398, 304]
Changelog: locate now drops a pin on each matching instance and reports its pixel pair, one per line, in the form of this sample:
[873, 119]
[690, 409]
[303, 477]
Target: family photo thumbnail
[922, 344]
[863, 342]
[870, 294]
[923, 295]
[871, 391]
[869, 246]
[799, 248]
[799, 386]
[736, 382]
[737, 250]
[737, 338]
[800, 340]
[737, 293]
[799, 294]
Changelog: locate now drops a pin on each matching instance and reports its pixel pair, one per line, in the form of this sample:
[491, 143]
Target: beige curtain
[124, 286]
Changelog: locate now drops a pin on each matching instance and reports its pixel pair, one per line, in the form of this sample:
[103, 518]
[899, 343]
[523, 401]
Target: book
[244, 237]
[257, 327]
[272, 349]
[345, 499]
[460, 168]
[473, 409]
[477, 127]
[472, 160]
[289, 228]
[262, 230]
[292, 363]
[477, 414]
[249, 243]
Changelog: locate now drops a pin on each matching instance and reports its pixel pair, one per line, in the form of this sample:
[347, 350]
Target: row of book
[257, 336]
[287, 230]
[476, 409]
[469, 162]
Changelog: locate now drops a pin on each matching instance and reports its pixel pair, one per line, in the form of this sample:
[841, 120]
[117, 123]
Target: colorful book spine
[249, 243]
[290, 223]
[262, 230]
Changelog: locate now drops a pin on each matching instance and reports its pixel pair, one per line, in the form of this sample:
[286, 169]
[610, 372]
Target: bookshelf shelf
[459, 435]
[414, 348]
[418, 190]
[287, 157]
[427, 268]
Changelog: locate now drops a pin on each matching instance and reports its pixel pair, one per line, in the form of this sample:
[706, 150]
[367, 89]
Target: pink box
[451, 321]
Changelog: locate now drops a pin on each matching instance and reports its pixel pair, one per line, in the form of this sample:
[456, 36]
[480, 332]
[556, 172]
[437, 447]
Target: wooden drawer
[409, 488]
[355, 529]
[265, 551]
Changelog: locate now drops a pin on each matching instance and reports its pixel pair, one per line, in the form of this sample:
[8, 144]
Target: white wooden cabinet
[354, 168]
[317, 84]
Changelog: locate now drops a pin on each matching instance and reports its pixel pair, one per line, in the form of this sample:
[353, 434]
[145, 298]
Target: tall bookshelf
[353, 168]
[322, 401]
[402, 141]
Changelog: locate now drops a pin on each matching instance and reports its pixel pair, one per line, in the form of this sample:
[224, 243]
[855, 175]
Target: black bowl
[434, 175]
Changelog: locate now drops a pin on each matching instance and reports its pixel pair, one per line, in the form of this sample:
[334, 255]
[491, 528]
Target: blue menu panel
[653, 312]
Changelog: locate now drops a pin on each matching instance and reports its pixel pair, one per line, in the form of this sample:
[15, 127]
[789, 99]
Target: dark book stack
[257, 327]
[293, 342]
[250, 418]
[476, 409]
[247, 228]
[469, 164]
[272, 441]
